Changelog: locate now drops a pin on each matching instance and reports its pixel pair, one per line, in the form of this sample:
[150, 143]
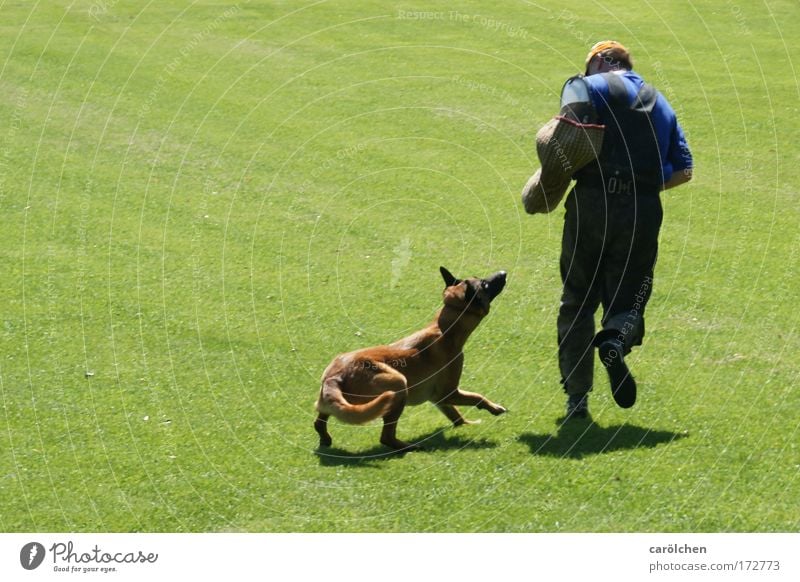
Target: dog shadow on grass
[579, 439]
[434, 441]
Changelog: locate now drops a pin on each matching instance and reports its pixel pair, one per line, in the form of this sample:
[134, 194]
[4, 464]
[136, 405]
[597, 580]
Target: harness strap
[644, 101]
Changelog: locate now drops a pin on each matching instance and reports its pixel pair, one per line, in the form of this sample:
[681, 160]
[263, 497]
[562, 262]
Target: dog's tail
[332, 401]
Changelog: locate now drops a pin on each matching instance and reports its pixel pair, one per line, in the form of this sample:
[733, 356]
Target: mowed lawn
[202, 203]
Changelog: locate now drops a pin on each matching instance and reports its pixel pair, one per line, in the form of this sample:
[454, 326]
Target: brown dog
[361, 386]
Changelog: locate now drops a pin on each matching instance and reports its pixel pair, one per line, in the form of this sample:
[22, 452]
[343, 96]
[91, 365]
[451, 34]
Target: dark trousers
[608, 253]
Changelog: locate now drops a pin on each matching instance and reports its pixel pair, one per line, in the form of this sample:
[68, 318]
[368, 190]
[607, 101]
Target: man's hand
[678, 178]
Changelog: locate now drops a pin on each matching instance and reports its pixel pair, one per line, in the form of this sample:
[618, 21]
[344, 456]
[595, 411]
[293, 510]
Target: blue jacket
[672, 145]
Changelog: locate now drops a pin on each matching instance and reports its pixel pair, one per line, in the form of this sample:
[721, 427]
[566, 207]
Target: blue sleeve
[598, 92]
[679, 155]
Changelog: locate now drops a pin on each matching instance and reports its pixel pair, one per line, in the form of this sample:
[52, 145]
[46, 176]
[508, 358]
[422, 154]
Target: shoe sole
[623, 386]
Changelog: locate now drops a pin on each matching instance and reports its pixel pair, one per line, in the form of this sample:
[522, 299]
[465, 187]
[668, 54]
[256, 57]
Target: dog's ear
[449, 279]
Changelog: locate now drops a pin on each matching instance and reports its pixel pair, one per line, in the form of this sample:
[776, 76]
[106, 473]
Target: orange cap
[608, 45]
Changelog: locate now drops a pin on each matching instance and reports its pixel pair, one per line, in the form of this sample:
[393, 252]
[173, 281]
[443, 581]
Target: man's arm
[679, 156]
[678, 178]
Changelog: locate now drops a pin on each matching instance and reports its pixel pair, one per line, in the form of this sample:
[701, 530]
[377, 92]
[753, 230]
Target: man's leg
[580, 258]
[627, 286]
[575, 334]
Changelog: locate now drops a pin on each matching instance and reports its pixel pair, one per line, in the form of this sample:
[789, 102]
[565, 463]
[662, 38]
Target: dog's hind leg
[389, 432]
[391, 379]
[473, 399]
[321, 426]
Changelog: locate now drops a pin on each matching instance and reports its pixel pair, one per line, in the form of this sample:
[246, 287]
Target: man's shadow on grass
[577, 439]
[436, 440]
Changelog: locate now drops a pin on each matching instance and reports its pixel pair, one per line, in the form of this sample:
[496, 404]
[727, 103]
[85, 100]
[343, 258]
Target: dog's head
[472, 295]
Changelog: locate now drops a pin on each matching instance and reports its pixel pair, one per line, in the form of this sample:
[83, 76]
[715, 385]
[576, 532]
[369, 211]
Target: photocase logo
[32, 555]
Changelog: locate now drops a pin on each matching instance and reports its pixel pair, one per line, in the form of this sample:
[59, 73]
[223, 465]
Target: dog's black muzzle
[495, 283]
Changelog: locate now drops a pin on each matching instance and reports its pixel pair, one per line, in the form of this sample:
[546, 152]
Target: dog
[376, 382]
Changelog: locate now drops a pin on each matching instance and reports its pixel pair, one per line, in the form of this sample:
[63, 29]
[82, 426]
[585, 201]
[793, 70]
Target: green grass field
[204, 202]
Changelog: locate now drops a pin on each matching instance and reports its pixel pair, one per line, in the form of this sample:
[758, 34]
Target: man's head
[608, 55]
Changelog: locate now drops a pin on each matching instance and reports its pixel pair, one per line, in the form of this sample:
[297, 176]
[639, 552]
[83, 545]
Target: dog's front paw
[497, 410]
[493, 408]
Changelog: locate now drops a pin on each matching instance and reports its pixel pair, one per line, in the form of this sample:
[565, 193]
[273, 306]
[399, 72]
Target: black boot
[577, 405]
[623, 386]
